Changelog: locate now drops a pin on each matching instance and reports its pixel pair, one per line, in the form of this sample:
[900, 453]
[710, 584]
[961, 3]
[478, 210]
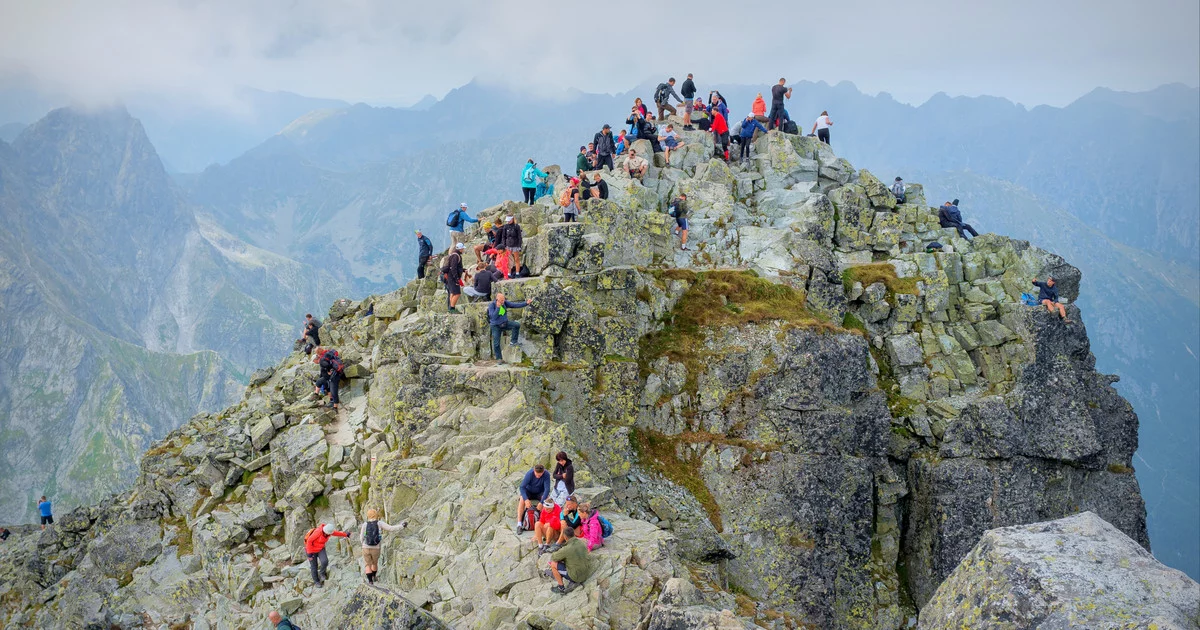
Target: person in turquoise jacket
[529, 180]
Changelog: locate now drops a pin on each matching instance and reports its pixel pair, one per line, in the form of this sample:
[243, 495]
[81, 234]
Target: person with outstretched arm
[1048, 297]
[662, 98]
[371, 533]
[749, 126]
[529, 180]
[534, 489]
[314, 548]
[498, 320]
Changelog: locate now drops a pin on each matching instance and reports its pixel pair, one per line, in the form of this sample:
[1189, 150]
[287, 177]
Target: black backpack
[455, 218]
[660, 93]
[371, 538]
[335, 361]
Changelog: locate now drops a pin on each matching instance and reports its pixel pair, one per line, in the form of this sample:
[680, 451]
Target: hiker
[662, 97]
[498, 319]
[688, 92]
[529, 180]
[640, 107]
[778, 93]
[490, 234]
[424, 251]
[314, 547]
[821, 127]
[331, 376]
[312, 333]
[669, 140]
[372, 537]
[705, 122]
[720, 131]
[590, 529]
[564, 471]
[581, 161]
[570, 566]
[1048, 297]
[636, 166]
[534, 489]
[717, 102]
[898, 190]
[950, 217]
[550, 519]
[622, 143]
[481, 285]
[501, 266]
[758, 108]
[513, 239]
[457, 222]
[569, 517]
[592, 158]
[279, 622]
[598, 189]
[452, 273]
[46, 512]
[606, 148]
[749, 126]
[4, 534]
[644, 129]
[570, 200]
[679, 210]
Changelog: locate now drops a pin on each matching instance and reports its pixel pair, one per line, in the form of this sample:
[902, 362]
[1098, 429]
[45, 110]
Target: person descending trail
[778, 93]
[606, 148]
[371, 533]
[1048, 297]
[571, 565]
[452, 273]
[457, 222]
[312, 333]
[749, 126]
[529, 180]
[821, 127]
[46, 512]
[898, 190]
[688, 92]
[679, 210]
[497, 314]
[662, 98]
[534, 489]
[424, 252]
[314, 547]
[950, 217]
[330, 378]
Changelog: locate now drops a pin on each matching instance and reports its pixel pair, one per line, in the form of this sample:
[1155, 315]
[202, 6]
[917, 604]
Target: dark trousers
[330, 382]
[529, 194]
[964, 226]
[422, 261]
[720, 143]
[498, 332]
[606, 160]
[323, 559]
[774, 118]
[823, 135]
[745, 150]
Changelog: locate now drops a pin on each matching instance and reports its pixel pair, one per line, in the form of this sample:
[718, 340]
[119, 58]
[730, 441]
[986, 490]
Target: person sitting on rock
[546, 529]
[950, 217]
[4, 533]
[636, 165]
[1048, 297]
[314, 547]
[759, 108]
[497, 314]
[590, 529]
[491, 233]
[568, 518]
[534, 489]
[598, 189]
[481, 284]
[898, 190]
[571, 565]
[581, 161]
[645, 129]
[371, 533]
[679, 210]
[622, 143]
[749, 126]
[669, 140]
[279, 622]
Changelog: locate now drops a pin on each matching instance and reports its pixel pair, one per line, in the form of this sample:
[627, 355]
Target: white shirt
[823, 122]
[383, 527]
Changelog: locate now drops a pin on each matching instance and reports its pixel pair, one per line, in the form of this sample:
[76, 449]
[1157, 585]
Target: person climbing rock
[720, 132]
[571, 565]
[662, 98]
[564, 471]
[371, 533]
[581, 161]
[546, 529]
[452, 273]
[279, 622]
[590, 530]
[597, 189]
[758, 108]
[898, 190]
[1048, 297]
[679, 210]
[821, 127]
[636, 165]
[606, 148]
[688, 92]
[46, 512]
[669, 140]
[498, 319]
[312, 333]
[481, 284]
[424, 251]
[749, 126]
[457, 222]
[529, 180]
[779, 92]
[513, 239]
[950, 217]
[534, 489]
[331, 376]
[314, 547]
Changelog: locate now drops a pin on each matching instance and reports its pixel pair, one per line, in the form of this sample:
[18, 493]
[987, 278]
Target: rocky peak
[805, 421]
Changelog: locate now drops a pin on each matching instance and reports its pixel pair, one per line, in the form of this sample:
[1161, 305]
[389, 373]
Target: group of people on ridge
[563, 526]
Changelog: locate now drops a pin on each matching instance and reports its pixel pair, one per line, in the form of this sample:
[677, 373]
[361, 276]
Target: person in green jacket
[529, 180]
[571, 565]
[581, 161]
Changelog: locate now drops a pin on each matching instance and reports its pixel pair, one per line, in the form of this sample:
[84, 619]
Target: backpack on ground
[371, 537]
[791, 128]
[606, 528]
[454, 219]
[531, 518]
[660, 93]
[1028, 299]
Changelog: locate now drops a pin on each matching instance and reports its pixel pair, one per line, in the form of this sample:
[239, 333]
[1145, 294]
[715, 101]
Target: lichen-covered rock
[1075, 572]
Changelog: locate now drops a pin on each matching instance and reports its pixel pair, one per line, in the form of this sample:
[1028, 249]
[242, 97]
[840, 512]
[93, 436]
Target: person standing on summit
[821, 127]
[688, 91]
[46, 512]
[662, 97]
[529, 180]
[779, 92]
[452, 273]
[424, 251]
[606, 148]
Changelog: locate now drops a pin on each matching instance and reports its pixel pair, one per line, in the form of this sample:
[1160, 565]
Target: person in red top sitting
[720, 131]
[546, 529]
[314, 546]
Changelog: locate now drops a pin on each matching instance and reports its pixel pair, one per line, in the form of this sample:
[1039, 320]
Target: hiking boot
[541, 549]
[500, 363]
[560, 590]
[320, 585]
[688, 128]
[520, 528]
[683, 247]
[514, 343]
[553, 548]
[569, 585]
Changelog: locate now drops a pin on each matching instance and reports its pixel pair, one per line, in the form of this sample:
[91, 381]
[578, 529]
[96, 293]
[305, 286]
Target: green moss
[559, 366]
[643, 294]
[1120, 469]
[183, 535]
[320, 503]
[880, 272]
[656, 451]
[851, 322]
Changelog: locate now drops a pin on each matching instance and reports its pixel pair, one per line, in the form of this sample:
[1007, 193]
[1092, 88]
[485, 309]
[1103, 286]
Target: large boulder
[1075, 572]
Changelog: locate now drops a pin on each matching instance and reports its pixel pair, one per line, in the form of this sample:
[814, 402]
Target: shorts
[515, 249]
[452, 287]
[672, 143]
[562, 568]
[47, 520]
[371, 555]
[681, 222]
[687, 107]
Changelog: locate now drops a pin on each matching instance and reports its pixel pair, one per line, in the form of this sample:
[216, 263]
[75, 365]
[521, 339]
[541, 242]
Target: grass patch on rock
[656, 451]
[879, 272]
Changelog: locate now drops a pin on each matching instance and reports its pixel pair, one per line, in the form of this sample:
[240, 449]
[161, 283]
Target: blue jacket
[424, 246]
[1046, 292]
[532, 487]
[44, 507]
[463, 218]
[496, 318]
[749, 127]
[532, 183]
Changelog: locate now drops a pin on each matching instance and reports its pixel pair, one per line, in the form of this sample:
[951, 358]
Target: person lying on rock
[499, 321]
[569, 518]
[571, 565]
[546, 529]
[1048, 297]
[314, 547]
[950, 217]
[534, 489]
[636, 165]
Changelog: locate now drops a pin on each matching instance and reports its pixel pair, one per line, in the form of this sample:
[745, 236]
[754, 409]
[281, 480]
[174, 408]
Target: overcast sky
[395, 51]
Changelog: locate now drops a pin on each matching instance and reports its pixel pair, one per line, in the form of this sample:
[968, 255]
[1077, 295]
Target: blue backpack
[1028, 299]
[606, 528]
[454, 219]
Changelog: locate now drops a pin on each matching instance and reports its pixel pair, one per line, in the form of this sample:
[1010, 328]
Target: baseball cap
[462, 205]
[328, 529]
[508, 218]
[606, 126]
[459, 246]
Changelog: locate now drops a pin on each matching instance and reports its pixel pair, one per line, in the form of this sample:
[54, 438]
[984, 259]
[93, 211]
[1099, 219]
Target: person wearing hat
[546, 529]
[513, 238]
[491, 232]
[529, 180]
[424, 251]
[314, 547]
[898, 190]
[606, 147]
[457, 222]
[636, 165]
[452, 274]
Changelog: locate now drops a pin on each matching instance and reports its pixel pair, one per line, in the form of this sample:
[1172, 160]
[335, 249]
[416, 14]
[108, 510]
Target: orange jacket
[759, 108]
[315, 541]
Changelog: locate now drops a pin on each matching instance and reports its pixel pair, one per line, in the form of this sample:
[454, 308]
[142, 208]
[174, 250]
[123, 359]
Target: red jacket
[718, 123]
[315, 541]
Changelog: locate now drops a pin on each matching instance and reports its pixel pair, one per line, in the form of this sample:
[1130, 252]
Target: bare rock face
[1075, 572]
